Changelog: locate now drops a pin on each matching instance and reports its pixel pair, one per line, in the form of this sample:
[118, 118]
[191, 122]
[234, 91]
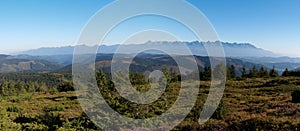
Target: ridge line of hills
[60, 58]
[196, 47]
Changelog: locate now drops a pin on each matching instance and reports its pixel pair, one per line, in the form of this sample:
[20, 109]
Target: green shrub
[296, 96]
[5, 123]
[54, 91]
[18, 99]
[34, 127]
[221, 111]
[55, 108]
[65, 86]
[10, 126]
[14, 109]
[52, 120]
[27, 98]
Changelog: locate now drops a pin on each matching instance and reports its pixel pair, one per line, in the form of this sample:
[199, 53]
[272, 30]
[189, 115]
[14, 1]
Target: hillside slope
[12, 64]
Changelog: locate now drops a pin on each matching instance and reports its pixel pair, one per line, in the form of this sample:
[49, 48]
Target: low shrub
[55, 108]
[14, 109]
[296, 96]
[34, 127]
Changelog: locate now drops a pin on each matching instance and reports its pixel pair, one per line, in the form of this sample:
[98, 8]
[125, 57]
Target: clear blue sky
[270, 24]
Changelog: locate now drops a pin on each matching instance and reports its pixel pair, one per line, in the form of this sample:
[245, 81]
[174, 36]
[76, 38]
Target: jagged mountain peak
[174, 47]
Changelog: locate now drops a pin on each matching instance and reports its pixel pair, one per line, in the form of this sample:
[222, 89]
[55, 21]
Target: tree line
[11, 84]
[11, 87]
[254, 72]
[286, 73]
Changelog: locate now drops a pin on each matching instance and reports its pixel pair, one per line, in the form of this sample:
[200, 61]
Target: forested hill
[239, 51]
[12, 64]
[149, 62]
[141, 63]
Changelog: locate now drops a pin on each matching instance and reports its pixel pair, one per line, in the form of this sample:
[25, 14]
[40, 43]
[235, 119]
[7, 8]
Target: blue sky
[270, 24]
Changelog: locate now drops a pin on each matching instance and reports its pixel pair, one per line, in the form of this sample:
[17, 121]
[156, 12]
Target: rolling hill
[242, 51]
[144, 62]
[12, 64]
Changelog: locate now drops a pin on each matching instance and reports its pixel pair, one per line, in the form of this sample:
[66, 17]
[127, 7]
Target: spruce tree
[286, 72]
[232, 73]
[244, 72]
[263, 73]
[167, 75]
[253, 72]
[4, 87]
[101, 78]
[206, 73]
[273, 72]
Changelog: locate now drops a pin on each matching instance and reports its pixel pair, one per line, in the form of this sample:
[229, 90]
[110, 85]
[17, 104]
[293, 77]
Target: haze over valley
[60, 58]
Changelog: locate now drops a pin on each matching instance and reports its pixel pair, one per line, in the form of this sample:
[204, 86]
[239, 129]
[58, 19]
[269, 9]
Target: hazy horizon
[270, 25]
[144, 42]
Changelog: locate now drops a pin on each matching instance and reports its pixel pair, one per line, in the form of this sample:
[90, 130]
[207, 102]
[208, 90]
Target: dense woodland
[47, 101]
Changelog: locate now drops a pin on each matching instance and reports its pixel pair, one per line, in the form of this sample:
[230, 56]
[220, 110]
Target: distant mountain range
[196, 48]
[60, 58]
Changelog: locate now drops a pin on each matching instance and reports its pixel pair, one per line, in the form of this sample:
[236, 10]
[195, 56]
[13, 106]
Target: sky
[269, 24]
